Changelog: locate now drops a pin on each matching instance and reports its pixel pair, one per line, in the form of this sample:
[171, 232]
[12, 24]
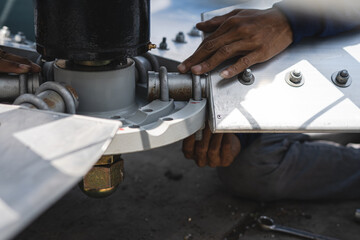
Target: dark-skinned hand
[255, 35]
[10, 63]
[214, 150]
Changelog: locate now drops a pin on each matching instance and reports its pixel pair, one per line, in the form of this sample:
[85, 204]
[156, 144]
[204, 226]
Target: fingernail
[224, 74]
[196, 69]
[181, 67]
[23, 66]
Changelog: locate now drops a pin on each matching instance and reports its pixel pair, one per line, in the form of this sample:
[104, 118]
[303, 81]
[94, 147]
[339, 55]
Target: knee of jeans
[252, 180]
[244, 186]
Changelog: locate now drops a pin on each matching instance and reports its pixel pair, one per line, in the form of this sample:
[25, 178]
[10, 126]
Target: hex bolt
[163, 44]
[343, 76]
[20, 37]
[247, 77]
[195, 32]
[180, 37]
[296, 76]
[5, 32]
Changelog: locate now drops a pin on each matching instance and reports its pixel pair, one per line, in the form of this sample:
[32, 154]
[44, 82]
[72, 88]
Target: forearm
[320, 17]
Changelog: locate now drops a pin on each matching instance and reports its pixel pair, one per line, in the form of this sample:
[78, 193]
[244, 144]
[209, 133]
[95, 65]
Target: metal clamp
[164, 86]
[31, 99]
[196, 87]
[68, 98]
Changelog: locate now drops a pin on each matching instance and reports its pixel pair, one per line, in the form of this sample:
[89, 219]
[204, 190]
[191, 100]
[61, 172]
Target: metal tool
[268, 223]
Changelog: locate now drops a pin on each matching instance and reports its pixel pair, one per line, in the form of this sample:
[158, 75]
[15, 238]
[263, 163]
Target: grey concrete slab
[167, 197]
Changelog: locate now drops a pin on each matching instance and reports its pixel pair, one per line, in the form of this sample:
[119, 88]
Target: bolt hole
[134, 126]
[168, 119]
[147, 110]
[115, 117]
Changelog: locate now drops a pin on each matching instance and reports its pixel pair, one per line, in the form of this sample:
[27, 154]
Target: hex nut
[341, 78]
[103, 179]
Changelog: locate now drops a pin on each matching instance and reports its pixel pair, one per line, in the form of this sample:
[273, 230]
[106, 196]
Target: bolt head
[248, 72]
[296, 76]
[344, 73]
[180, 37]
[296, 72]
[342, 76]
[195, 32]
[247, 76]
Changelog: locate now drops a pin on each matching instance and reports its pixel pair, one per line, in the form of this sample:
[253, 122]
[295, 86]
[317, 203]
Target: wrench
[268, 223]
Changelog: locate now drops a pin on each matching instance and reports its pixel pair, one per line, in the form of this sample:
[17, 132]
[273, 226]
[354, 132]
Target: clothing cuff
[302, 24]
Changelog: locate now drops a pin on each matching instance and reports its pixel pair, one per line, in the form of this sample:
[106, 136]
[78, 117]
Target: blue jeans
[295, 166]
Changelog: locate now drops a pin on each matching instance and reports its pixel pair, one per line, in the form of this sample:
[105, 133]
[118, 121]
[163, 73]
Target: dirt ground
[166, 197]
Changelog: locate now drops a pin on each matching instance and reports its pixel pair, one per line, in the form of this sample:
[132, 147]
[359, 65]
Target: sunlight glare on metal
[354, 51]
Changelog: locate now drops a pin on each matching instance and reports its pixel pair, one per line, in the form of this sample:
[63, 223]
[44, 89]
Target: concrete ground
[166, 197]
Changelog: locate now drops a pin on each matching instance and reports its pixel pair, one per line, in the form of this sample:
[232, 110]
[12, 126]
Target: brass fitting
[151, 46]
[104, 178]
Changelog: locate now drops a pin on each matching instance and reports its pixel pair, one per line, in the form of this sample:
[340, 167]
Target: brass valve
[104, 178]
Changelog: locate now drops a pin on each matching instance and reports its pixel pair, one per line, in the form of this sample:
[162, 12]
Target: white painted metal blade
[272, 105]
[42, 156]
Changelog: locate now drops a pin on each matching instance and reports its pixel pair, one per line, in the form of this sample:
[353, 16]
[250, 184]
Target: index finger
[205, 50]
[212, 24]
[14, 58]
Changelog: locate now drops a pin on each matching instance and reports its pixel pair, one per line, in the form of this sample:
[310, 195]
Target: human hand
[10, 63]
[257, 35]
[215, 150]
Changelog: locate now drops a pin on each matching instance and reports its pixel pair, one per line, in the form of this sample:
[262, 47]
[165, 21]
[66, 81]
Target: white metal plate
[272, 105]
[43, 155]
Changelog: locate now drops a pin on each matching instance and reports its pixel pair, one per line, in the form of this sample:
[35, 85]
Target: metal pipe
[11, 85]
[180, 86]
